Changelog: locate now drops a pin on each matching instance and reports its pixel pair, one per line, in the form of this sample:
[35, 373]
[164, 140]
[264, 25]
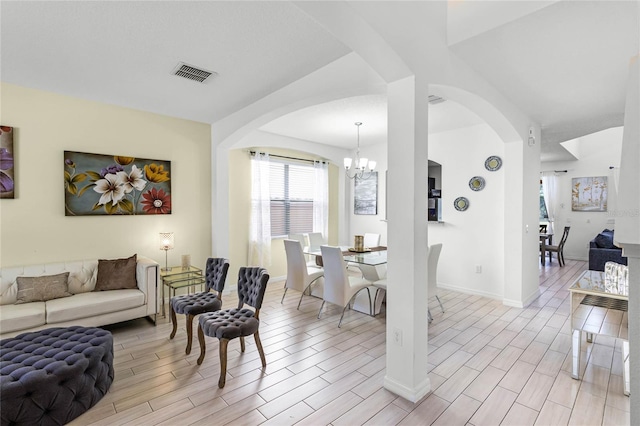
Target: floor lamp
[166, 244]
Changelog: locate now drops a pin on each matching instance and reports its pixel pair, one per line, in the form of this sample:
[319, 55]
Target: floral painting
[96, 184]
[589, 194]
[7, 178]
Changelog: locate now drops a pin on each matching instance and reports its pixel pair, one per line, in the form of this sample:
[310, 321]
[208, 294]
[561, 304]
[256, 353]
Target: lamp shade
[166, 240]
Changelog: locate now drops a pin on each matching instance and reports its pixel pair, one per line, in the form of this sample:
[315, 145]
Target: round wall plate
[461, 204]
[476, 183]
[493, 163]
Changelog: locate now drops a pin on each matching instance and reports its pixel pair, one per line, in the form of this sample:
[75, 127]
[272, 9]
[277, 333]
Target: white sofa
[85, 307]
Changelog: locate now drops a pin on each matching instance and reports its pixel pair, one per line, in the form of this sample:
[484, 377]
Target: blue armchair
[602, 250]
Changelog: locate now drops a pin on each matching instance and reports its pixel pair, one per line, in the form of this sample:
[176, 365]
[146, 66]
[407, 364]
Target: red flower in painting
[156, 202]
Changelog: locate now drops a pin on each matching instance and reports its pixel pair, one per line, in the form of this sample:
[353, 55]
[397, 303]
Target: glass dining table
[374, 256]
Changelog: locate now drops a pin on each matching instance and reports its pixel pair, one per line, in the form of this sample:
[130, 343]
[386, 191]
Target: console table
[599, 307]
[178, 277]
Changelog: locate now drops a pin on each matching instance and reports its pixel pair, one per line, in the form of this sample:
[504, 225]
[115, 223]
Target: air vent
[435, 99]
[192, 73]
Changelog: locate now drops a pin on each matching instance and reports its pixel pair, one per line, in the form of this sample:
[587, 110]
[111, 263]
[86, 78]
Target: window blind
[291, 186]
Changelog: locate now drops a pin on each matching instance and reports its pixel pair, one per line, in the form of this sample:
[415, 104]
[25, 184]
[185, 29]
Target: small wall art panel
[7, 176]
[365, 195]
[96, 184]
[589, 194]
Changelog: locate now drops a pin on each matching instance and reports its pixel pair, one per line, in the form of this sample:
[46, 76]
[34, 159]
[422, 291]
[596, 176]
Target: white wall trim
[466, 290]
[413, 395]
[522, 304]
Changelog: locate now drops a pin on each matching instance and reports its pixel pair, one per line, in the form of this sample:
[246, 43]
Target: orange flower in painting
[156, 201]
[156, 173]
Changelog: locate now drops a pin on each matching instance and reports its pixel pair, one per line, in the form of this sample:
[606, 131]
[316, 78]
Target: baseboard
[466, 290]
[413, 395]
[522, 304]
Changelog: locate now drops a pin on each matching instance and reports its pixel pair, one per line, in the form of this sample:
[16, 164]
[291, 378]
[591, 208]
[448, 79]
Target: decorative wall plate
[493, 163]
[461, 204]
[476, 183]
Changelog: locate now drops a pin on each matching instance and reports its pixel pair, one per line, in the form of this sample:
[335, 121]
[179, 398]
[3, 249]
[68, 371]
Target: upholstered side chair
[209, 300]
[240, 322]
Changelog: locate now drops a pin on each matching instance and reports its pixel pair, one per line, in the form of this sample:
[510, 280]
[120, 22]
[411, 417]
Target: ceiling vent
[192, 73]
[435, 99]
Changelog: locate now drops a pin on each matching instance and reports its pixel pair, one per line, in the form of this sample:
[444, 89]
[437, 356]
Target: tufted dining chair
[240, 322]
[300, 276]
[198, 303]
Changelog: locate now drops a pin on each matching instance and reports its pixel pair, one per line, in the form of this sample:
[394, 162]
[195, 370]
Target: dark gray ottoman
[50, 377]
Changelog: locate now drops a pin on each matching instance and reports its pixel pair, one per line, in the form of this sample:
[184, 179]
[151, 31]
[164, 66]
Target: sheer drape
[550, 194]
[321, 198]
[260, 229]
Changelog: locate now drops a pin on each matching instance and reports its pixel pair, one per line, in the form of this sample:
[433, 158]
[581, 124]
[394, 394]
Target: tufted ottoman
[50, 377]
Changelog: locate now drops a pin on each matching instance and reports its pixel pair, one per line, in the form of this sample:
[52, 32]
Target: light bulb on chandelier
[363, 166]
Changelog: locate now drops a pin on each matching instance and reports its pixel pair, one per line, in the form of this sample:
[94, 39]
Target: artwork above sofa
[602, 250]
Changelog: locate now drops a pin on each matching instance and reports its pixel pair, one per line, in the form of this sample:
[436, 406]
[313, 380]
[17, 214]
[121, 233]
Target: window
[292, 187]
[543, 206]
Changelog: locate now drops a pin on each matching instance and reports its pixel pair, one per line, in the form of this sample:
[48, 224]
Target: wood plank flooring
[489, 365]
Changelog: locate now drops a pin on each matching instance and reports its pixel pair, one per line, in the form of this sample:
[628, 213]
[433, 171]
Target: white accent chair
[300, 276]
[432, 275]
[371, 240]
[339, 287]
[316, 239]
[303, 243]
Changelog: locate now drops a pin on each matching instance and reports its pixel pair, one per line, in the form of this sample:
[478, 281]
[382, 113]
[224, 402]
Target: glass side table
[599, 306]
[179, 277]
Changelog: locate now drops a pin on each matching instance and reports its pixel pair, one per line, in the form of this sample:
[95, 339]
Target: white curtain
[260, 229]
[321, 198]
[550, 194]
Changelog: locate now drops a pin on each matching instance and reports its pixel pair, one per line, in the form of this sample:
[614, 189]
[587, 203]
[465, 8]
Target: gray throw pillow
[116, 274]
[43, 288]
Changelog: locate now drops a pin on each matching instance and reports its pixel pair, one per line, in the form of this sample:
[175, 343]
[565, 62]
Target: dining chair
[240, 322]
[316, 239]
[376, 275]
[371, 240]
[559, 249]
[339, 287]
[432, 275]
[303, 242]
[198, 303]
[543, 228]
[300, 276]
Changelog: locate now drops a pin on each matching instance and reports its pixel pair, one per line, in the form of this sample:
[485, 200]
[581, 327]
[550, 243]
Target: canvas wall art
[589, 194]
[7, 176]
[365, 195]
[96, 184]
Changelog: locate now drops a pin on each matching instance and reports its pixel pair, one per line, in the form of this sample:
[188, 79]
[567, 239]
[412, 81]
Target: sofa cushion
[116, 274]
[90, 304]
[605, 240]
[42, 288]
[20, 317]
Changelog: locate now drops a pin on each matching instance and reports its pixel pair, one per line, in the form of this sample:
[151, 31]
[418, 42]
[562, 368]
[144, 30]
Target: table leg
[164, 315]
[576, 339]
[543, 254]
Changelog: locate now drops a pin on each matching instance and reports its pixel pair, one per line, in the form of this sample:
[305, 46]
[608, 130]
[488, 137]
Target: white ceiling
[563, 63]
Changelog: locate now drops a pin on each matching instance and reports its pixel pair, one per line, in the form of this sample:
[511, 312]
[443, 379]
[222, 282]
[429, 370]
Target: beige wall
[240, 211]
[33, 227]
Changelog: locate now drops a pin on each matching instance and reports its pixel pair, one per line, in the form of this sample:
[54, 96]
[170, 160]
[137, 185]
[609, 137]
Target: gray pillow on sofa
[116, 274]
[605, 240]
[43, 288]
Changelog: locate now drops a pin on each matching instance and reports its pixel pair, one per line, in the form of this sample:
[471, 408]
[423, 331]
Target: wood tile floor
[489, 365]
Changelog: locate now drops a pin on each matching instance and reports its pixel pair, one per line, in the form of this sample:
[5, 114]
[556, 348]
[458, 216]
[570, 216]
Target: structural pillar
[407, 239]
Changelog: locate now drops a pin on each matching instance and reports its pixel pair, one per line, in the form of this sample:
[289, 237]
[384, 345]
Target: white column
[627, 216]
[220, 200]
[407, 240]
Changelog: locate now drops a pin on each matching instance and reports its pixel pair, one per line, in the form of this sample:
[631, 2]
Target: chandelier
[362, 168]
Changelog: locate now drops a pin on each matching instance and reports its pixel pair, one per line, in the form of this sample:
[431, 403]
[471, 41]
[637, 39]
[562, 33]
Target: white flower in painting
[111, 188]
[133, 180]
